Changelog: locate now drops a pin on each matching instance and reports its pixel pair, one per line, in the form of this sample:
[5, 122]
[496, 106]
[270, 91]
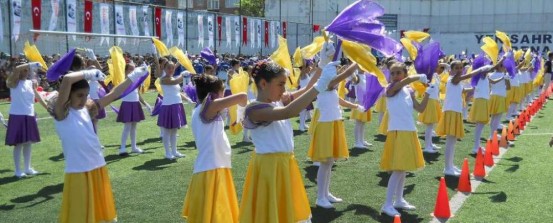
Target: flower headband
[268, 65]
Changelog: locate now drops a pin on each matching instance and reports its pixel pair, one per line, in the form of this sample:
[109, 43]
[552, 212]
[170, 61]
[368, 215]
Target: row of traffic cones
[441, 208]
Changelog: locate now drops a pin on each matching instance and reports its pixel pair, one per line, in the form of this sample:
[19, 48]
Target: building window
[231, 3]
[213, 4]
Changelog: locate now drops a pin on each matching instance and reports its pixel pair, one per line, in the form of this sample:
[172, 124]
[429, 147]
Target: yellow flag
[281, 56]
[416, 35]
[412, 50]
[518, 54]
[315, 47]
[33, 55]
[118, 65]
[157, 83]
[182, 58]
[528, 57]
[146, 85]
[342, 91]
[361, 54]
[238, 84]
[490, 48]
[505, 39]
[298, 59]
[109, 78]
[161, 48]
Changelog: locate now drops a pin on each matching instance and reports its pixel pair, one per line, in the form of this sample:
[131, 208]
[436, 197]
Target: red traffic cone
[479, 170]
[441, 209]
[397, 219]
[517, 127]
[495, 144]
[464, 179]
[511, 132]
[503, 141]
[488, 157]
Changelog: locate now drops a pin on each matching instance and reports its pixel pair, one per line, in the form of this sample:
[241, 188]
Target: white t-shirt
[400, 111]
[81, 147]
[453, 97]
[22, 98]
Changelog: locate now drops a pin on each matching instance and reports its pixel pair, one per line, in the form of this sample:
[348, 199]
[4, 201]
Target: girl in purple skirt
[22, 126]
[130, 113]
[171, 115]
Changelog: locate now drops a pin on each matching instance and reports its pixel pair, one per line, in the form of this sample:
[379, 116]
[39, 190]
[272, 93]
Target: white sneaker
[316, 163]
[404, 205]
[31, 172]
[434, 133]
[324, 203]
[435, 147]
[169, 156]
[390, 211]
[333, 199]
[367, 143]
[361, 146]
[136, 150]
[20, 175]
[451, 172]
[177, 154]
[457, 169]
[246, 139]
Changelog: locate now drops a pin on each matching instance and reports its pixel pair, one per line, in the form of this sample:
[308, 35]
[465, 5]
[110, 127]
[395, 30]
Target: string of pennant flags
[256, 32]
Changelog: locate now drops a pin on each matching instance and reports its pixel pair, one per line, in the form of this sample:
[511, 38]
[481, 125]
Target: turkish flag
[266, 33]
[244, 30]
[88, 16]
[157, 21]
[219, 21]
[284, 29]
[37, 12]
[316, 28]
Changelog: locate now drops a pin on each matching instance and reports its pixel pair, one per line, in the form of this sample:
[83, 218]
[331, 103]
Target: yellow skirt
[451, 124]
[511, 95]
[498, 105]
[328, 141]
[383, 128]
[432, 112]
[528, 88]
[479, 112]
[211, 197]
[402, 152]
[314, 121]
[361, 116]
[87, 197]
[380, 105]
[274, 190]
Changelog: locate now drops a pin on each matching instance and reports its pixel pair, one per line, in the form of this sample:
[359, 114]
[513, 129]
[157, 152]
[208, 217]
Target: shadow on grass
[156, 164]
[5, 171]
[513, 168]
[191, 144]
[244, 150]
[149, 140]
[6, 207]
[408, 189]
[355, 152]
[515, 159]
[330, 215]
[311, 173]
[384, 178]
[450, 181]
[380, 138]
[430, 158]
[497, 197]
[46, 193]
[298, 132]
[242, 144]
[57, 158]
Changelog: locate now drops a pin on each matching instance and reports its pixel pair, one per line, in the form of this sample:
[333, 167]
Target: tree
[255, 8]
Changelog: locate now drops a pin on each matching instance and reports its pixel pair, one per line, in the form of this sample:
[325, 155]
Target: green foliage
[255, 8]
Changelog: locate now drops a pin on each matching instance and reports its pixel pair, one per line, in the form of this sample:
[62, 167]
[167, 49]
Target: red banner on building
[37, 12]
[157, 21]
[266, 33]
[316, 28]
[88, 16]
[219, 21]
[284, 29]
[244, 30]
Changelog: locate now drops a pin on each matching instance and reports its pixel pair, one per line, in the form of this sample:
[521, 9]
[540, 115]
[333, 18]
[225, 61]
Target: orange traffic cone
[495, 144]
[503, 141]
[488, 158]
[441, 209]
[464, 179]
[511, 132]
[522, 122]
[479, 170]
[397, 219]
[517, 127]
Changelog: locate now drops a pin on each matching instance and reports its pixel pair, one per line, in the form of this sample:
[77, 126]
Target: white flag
[1, 27]
[119, 24]
[277, 32]
[145, 19]
[104, 22]
[55, 11]
[237, 29]
[133, 22]
[252, 32]
[272, 34]
[258, 33]
[16, 18]
[180, 29]
[72, 17]
[228, 30]
[210, 31]
[169, 27]
[200, 30]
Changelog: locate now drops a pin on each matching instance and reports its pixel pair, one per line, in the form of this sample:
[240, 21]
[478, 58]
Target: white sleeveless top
[93, 91]
[22, 98]
[434, 92]
[499, 88]
[482, 89]
[329, 107]
[453, 97]
[400, 111]
[305, 81]
[132, 97]
[360, 87]
[525, 77]
[515, 82]
[81, 146]
[211, 140]
[273, 137]
[171, 94]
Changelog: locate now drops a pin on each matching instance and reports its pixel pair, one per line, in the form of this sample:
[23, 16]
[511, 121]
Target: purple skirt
[130, 112]
[171, 116]
[101, 113]
[22, 129]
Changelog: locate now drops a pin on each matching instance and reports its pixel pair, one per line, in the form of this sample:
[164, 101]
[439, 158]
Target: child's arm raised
[219, 104]
[419, 107]
[396, 87]
[117, 91]
[171, 80]
[342, 76]
[279, 113]
[348, 104]
[296, 94]
[39, 97]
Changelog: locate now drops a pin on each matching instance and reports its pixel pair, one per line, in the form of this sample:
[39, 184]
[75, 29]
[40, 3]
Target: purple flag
[101, 92]
[60, 67]
[338, 50]
[209, 56]
[479, 61]
[190, 91]
[157, 106]
[537, 66]
[114, 109]
[510, 65]
[427, 59]
[373, 89]
[134, 85]
[386, 74]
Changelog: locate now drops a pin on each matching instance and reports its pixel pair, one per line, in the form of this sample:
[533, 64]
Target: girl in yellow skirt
[87, 193]
[211, 196]
[328, 142]
[524, 81]
[514, 95]
[479, 112]
[451, 122]
[402, 150]
[360, 117]
[500, 81]
[273, 190]
[431, 115]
